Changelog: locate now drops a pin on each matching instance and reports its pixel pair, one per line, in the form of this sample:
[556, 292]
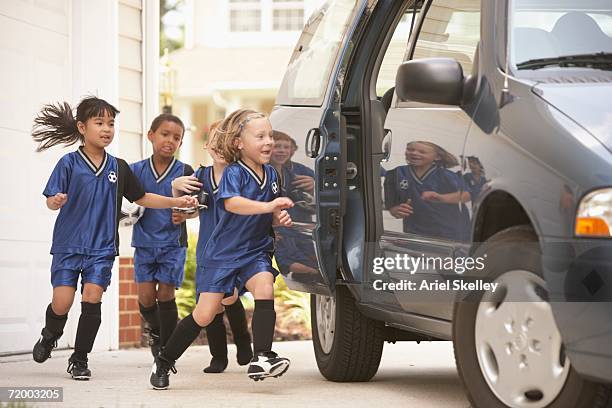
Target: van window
[315, 54]
[451, 29]
[396, 51]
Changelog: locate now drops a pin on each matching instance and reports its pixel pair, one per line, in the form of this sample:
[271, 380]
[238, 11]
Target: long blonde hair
[228, 130]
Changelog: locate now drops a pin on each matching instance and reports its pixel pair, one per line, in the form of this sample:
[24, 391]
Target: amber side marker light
[591, 227]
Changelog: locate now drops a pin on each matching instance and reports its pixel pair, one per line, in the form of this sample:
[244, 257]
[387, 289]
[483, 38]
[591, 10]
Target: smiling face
[166, 139]
[255, 142]
[98, 131]
[420, 154]
[282, 152]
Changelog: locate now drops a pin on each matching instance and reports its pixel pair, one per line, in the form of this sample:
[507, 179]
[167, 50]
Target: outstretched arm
[150, 200]
[244, 206]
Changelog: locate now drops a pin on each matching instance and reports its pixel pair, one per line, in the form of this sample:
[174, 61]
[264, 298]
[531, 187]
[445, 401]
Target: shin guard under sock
[217, 343]
[240, 331]
[184, 334]
[89, 323]
[168, 318]
[54, 323]
[264, 320]
[151, 315]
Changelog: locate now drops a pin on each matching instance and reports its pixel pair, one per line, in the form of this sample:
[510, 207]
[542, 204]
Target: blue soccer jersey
[238, 240]
[206, 176]
[87, 223]
[155, 228]
[430, 218]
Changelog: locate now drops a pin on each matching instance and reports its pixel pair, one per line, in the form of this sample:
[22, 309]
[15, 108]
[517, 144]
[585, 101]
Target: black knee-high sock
[186, 332]
[89, 323]
[151, 316]
[237, 320]
[264, 319]
[54, 323]
[217, 343]
[240, 330]
[168, 317]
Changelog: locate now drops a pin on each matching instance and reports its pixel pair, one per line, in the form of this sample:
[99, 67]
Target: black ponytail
[55, 124]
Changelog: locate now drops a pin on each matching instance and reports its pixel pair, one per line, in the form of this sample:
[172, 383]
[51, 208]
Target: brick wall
[130, 326]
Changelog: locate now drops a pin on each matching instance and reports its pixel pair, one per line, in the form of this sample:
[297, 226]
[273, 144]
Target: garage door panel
[48, 14]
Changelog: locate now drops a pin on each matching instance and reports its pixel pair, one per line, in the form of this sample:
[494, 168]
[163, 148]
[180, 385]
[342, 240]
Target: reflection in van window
[553, 29]
[315, 54]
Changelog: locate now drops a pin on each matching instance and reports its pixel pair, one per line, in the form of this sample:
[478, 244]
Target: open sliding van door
[309, 150]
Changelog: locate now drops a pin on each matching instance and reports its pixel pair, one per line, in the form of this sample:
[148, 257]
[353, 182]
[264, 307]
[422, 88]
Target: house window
[288, 19]
[245, 15]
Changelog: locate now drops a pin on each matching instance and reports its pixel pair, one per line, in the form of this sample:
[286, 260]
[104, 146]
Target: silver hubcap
[518, 344]
[326, 321]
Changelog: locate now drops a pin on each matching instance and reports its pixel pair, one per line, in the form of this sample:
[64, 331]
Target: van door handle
[386, 145]
[313, 143]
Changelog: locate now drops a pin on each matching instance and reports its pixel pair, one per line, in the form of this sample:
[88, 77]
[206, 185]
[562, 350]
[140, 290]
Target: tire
[509, 255]
[347, 345]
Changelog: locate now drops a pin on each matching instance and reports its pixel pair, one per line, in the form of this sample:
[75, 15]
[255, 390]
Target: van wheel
[348, 346]
[511, 354]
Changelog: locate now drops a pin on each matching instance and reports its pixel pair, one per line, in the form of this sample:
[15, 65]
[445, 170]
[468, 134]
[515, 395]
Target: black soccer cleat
[42, 349]
[77, 368]
[267, 364]
[160, 373]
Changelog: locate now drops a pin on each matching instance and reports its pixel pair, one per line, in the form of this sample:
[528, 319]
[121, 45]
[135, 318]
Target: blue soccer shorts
[96, 269]
[224, 280]
[164, 265]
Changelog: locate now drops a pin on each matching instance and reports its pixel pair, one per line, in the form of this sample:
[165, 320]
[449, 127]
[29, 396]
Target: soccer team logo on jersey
[275, 187]
[112, 176]
[403, 184]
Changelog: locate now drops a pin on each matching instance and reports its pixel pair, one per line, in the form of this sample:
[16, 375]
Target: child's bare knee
[165, 292]
[264, 291]
[203, 315]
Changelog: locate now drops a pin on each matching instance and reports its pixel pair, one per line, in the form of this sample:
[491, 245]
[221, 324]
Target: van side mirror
[430, 80]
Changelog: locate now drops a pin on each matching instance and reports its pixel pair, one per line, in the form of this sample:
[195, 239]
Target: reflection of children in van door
[426, 195]
[475, 179]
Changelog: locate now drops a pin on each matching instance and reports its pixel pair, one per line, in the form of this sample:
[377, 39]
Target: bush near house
[292, 308]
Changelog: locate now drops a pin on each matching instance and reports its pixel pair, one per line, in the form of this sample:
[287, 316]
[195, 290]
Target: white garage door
[35, 69]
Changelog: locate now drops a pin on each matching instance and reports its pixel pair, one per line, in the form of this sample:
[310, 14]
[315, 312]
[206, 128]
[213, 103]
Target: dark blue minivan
[451, 166]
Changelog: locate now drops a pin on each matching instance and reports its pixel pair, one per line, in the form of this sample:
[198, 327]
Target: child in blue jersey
[240, 248]
[426, 195]
[208, 179]
[87, 185]
[159, 238]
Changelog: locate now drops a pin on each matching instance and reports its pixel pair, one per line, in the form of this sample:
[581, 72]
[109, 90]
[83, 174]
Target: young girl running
[87, 185]
[240, 247]
[159, 238]
[207, 179]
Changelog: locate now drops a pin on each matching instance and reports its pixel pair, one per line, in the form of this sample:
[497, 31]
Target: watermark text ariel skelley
[410, 264]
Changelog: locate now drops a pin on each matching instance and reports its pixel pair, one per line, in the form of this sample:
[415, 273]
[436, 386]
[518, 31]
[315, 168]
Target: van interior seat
[592, 39]
[533, 43]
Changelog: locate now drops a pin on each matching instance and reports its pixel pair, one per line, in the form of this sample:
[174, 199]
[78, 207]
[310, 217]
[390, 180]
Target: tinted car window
[315, 54]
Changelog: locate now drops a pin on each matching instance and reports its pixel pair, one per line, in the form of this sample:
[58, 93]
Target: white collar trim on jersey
[159, 178]
[260, 182]
[421, 179]
[97, 170]
[214, 185]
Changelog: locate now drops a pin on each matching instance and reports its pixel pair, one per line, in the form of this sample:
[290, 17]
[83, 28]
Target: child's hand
[186, 184]
[430, 196]
[186, 202]
[304, 182]
[280, 203]
[57, 201]
[402, 210]
[178, 218]
[281, 218]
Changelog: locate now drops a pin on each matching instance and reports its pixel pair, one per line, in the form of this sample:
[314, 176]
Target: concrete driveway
[410, 375]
